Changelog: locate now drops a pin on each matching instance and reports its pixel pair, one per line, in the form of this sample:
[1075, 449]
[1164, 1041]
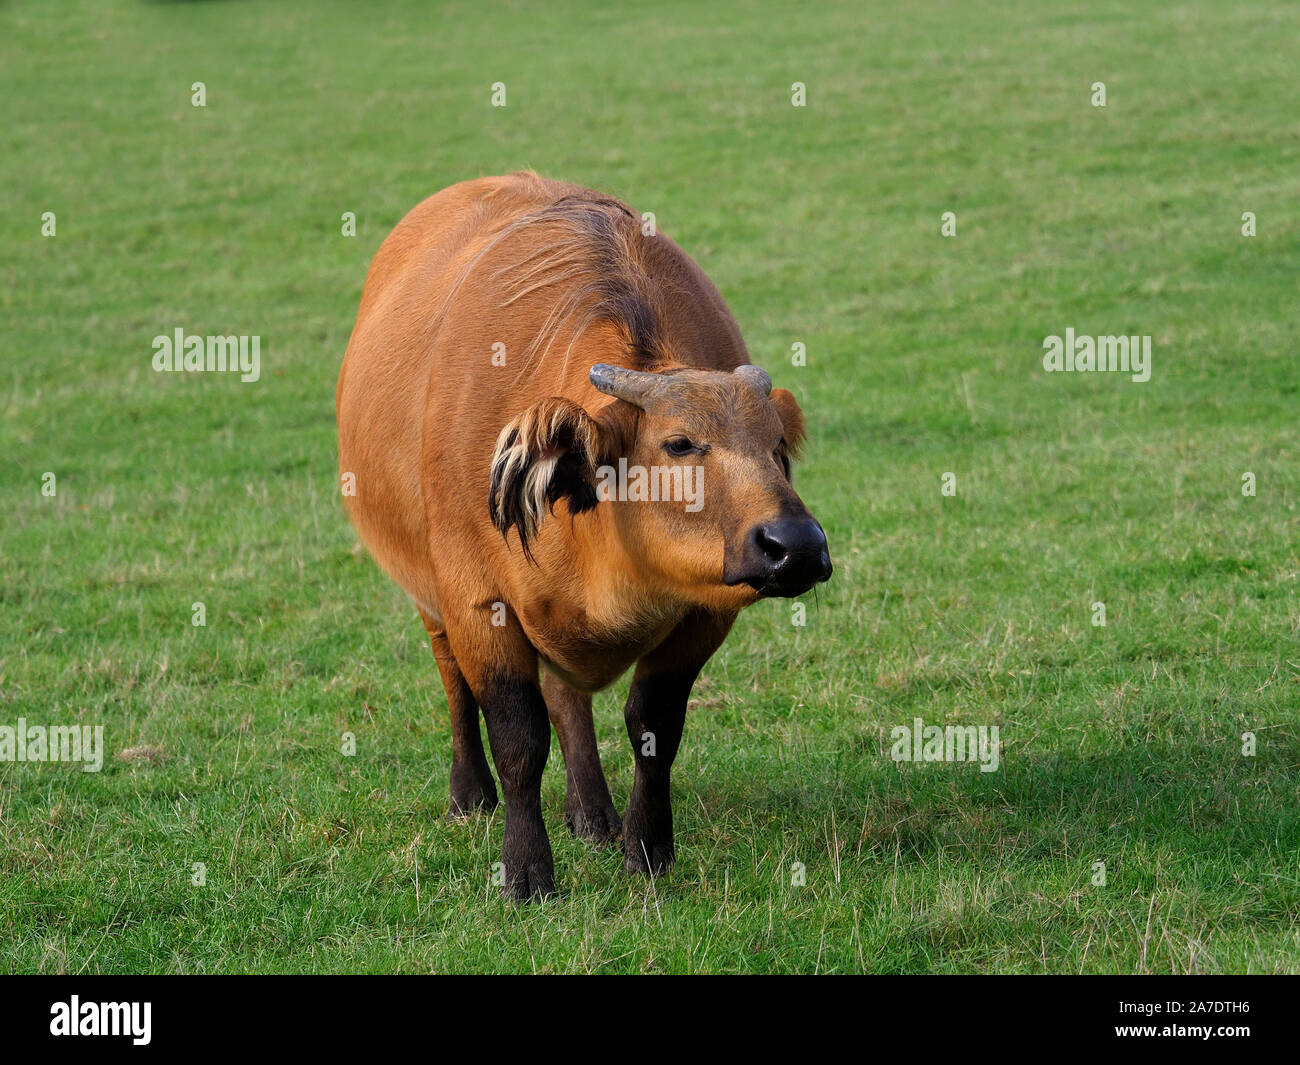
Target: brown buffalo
[523, 354]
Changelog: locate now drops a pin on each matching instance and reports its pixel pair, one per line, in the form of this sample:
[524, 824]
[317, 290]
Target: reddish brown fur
[564, 279]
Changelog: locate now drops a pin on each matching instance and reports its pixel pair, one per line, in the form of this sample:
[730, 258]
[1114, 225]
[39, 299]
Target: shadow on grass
[1163, 795]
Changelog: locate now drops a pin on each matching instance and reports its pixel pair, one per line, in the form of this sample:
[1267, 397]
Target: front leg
[500, 667]
[520, 738]
[655, 715]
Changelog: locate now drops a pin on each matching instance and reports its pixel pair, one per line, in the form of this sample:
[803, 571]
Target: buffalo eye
[782, 459]
[680, 446]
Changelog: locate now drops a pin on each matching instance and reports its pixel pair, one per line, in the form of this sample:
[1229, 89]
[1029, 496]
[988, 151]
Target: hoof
[651, 859]
[535, 883]
[469, 793]
[601, 826]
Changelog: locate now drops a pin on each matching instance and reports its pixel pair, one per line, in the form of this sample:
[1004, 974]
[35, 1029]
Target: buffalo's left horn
[756, 376]
[635, 386]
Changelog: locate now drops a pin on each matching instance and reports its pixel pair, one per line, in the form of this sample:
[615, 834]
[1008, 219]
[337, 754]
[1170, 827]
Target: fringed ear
[792, 420]
[548, 453]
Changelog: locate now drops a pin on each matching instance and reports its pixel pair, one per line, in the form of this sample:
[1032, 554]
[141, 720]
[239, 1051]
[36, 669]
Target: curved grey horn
[756, 376]
[635, 386]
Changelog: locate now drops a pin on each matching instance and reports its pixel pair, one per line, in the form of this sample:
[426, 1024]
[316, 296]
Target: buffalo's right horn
[635, 386]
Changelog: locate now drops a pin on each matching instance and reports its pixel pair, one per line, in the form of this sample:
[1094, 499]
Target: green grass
[1121, 744]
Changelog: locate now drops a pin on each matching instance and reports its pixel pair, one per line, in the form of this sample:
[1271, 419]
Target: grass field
[1121, 744]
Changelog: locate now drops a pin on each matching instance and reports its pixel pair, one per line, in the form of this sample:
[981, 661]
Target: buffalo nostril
[770, 545]
[786, 556]
[796, 546]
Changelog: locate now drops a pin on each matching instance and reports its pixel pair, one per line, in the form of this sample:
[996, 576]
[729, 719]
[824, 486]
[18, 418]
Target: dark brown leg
[521, 740]
[588, 809]
[655, 714]
[500, 667]
[472, 786]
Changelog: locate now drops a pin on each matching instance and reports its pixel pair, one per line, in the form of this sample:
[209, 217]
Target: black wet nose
[793, 551]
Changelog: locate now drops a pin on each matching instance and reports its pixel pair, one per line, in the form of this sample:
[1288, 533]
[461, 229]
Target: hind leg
[588, 809]
[472, 786]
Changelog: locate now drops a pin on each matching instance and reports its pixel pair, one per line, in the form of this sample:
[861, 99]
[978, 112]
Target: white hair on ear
[508, 459]
[536, 482]
[527, 459]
